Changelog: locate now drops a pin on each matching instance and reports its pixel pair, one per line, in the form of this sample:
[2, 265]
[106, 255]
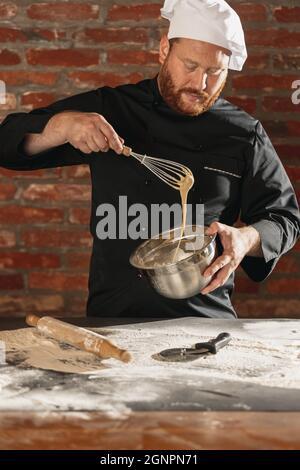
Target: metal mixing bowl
[183, 278]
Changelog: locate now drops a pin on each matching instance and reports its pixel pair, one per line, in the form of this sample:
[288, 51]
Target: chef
[179, 114]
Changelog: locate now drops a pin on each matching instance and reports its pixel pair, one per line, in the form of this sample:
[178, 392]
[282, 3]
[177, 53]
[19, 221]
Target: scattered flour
[32, 349]
[266, 353]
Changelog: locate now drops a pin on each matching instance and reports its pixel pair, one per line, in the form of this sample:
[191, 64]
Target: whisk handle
[126, 151]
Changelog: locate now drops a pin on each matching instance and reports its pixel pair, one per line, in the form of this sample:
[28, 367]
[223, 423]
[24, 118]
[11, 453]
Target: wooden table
[146, 429]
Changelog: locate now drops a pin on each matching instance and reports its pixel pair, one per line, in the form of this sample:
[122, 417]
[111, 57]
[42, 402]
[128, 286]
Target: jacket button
[147, 182]
[139, 275]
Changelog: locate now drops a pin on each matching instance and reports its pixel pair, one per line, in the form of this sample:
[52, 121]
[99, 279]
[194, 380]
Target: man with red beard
[179, 115]
[193, 74]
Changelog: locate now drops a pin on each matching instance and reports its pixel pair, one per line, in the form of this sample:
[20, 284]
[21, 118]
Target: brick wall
[51, 50]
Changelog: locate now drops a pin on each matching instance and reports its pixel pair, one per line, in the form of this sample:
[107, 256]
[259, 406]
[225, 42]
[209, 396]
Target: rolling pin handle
[32, 320]
[125, 356]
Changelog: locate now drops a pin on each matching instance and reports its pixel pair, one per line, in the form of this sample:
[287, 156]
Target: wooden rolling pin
[78, 337]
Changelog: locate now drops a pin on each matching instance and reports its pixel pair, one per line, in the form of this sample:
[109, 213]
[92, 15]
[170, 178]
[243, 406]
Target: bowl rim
[176, 263]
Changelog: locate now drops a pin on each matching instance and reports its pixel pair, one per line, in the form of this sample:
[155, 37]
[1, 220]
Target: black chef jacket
[237, 173]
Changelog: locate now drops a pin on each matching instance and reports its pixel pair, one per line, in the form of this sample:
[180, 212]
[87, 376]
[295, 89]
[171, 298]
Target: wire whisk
[171, 173]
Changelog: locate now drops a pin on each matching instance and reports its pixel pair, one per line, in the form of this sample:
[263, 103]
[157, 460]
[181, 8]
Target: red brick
[250, 12]
[275, 128]
[7, 191]
[119, 56]
[134, 12]
[23, 77]
[77, 260]
[56, 238]
[33, 99]
[21, 174]
[48, 34]
[7, 239]
[287, 61]
[293, 173]
[288, 151]
[246, 286]
[79, 215]
[257, 61]
[34, 174]
[119, 35]
[56, 172]
[25, 215]
[264, 82]
[14, 260]
[78, 171]
[8, 10]
[293, 128]
[11, 281]
[63, 11]
[76, 305]
[57, 192]
[287, 15]
[12, 35]
[9, 57]
[267, 308]
[98, 79]
[287, 264]
[58, 280]
[283, 286]
[19, 305]
[63, 57]
[279, 104]
[11, 102]
[248, 104]
[279, 38]
[297, 246]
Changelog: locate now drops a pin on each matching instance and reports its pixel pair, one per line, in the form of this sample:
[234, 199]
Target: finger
[213, 228]
[84, 148]
[218, 264]
[92, 144]
[218, 281]
[112, 137]
[101, 143]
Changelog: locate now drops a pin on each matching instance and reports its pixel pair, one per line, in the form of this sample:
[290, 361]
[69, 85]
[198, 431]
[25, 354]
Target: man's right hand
[88, 132]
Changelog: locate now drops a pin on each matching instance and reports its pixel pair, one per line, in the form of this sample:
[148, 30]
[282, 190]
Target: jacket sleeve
[16, 125]
[269, 204]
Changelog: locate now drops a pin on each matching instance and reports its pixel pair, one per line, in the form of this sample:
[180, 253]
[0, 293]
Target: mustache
[197, 93]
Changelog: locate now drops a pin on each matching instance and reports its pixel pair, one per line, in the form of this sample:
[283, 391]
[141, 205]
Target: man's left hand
[237, 243]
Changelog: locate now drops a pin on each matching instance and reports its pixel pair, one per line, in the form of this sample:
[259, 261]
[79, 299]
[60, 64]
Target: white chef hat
[212, 21]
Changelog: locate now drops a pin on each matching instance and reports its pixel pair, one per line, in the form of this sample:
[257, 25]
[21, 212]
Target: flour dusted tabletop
[258, 370]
